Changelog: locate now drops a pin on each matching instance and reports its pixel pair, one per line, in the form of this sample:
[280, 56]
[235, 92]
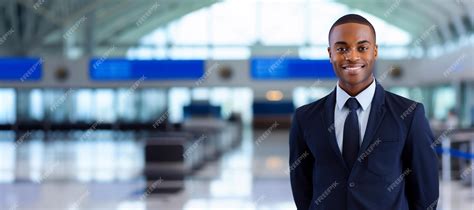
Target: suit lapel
[328, 121]
[376, 115]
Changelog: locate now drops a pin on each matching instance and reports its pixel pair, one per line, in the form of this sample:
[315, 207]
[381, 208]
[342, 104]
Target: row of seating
[171, 156]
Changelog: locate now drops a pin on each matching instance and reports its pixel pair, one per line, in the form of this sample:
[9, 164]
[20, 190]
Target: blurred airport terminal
[187, 104]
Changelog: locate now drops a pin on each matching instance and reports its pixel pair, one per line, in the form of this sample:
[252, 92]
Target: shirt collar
[364, 98]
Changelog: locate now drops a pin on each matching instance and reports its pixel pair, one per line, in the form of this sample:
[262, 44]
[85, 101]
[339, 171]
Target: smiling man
[361, 147]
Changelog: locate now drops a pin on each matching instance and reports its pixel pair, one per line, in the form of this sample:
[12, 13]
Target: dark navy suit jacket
[397, 167]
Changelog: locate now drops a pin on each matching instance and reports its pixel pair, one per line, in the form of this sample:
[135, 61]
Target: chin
[354, 80]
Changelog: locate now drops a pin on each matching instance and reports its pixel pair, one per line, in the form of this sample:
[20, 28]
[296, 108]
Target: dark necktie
[351, 136]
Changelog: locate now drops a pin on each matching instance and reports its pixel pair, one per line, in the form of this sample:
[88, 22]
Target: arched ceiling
[32, 26]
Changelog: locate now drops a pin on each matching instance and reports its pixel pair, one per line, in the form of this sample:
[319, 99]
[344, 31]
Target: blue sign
[124, 69]
[21, 69]
[291, 68]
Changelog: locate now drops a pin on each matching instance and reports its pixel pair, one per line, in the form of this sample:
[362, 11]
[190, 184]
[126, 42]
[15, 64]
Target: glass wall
[221, 31]
[29, 105]
[8, 107]
[82, 105]
[444, 100]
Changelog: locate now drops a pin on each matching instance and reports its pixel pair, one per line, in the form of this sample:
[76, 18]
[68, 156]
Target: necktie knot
[352, 104]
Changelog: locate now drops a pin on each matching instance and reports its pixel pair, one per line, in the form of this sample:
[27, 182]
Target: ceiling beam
[380, 9]
[156, 20]
[106, 30]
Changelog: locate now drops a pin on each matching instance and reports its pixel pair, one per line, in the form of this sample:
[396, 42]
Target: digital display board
[21, 69]
[124, 69]
[288, 69]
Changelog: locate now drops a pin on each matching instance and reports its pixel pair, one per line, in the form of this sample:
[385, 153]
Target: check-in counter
[218, 135]
[171, 156]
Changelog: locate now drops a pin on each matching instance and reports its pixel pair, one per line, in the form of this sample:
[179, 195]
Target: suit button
[352, 184]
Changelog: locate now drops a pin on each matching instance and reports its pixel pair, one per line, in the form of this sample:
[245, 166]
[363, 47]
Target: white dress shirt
[340, 111]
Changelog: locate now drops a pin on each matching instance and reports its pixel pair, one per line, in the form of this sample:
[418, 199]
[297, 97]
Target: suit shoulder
[401, 105]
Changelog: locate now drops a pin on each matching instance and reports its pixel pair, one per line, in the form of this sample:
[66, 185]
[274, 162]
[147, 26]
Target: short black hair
[352, 18]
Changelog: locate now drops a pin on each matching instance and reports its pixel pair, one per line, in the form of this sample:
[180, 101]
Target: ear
[329, 52]
[376, 51]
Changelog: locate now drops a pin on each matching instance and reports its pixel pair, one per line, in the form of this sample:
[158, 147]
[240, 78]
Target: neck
[354, 90]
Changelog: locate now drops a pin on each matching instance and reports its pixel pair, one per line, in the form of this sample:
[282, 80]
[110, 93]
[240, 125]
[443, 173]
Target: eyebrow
[345, 43]
[363, 42]
[340, 42]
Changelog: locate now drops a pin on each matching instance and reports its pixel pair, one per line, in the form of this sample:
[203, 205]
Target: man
[361, 147]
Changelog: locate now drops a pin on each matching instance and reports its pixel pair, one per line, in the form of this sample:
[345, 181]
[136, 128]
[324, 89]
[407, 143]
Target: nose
[352, 55]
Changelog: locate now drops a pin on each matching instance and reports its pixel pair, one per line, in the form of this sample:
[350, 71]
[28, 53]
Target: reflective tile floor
[105, 175]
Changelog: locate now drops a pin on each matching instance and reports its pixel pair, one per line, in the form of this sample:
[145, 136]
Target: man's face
[352, 52]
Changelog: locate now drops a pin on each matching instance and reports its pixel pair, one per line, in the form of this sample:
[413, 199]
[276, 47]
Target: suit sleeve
[422, 184]
[301, 166]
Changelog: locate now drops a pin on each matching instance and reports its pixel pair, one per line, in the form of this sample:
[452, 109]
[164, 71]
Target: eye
[363, 48]
[341, 49]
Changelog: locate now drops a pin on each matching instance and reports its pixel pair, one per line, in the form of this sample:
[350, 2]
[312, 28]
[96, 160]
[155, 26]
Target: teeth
[353, 68]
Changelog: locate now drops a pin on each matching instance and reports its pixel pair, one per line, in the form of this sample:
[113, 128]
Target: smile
[353, 69]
